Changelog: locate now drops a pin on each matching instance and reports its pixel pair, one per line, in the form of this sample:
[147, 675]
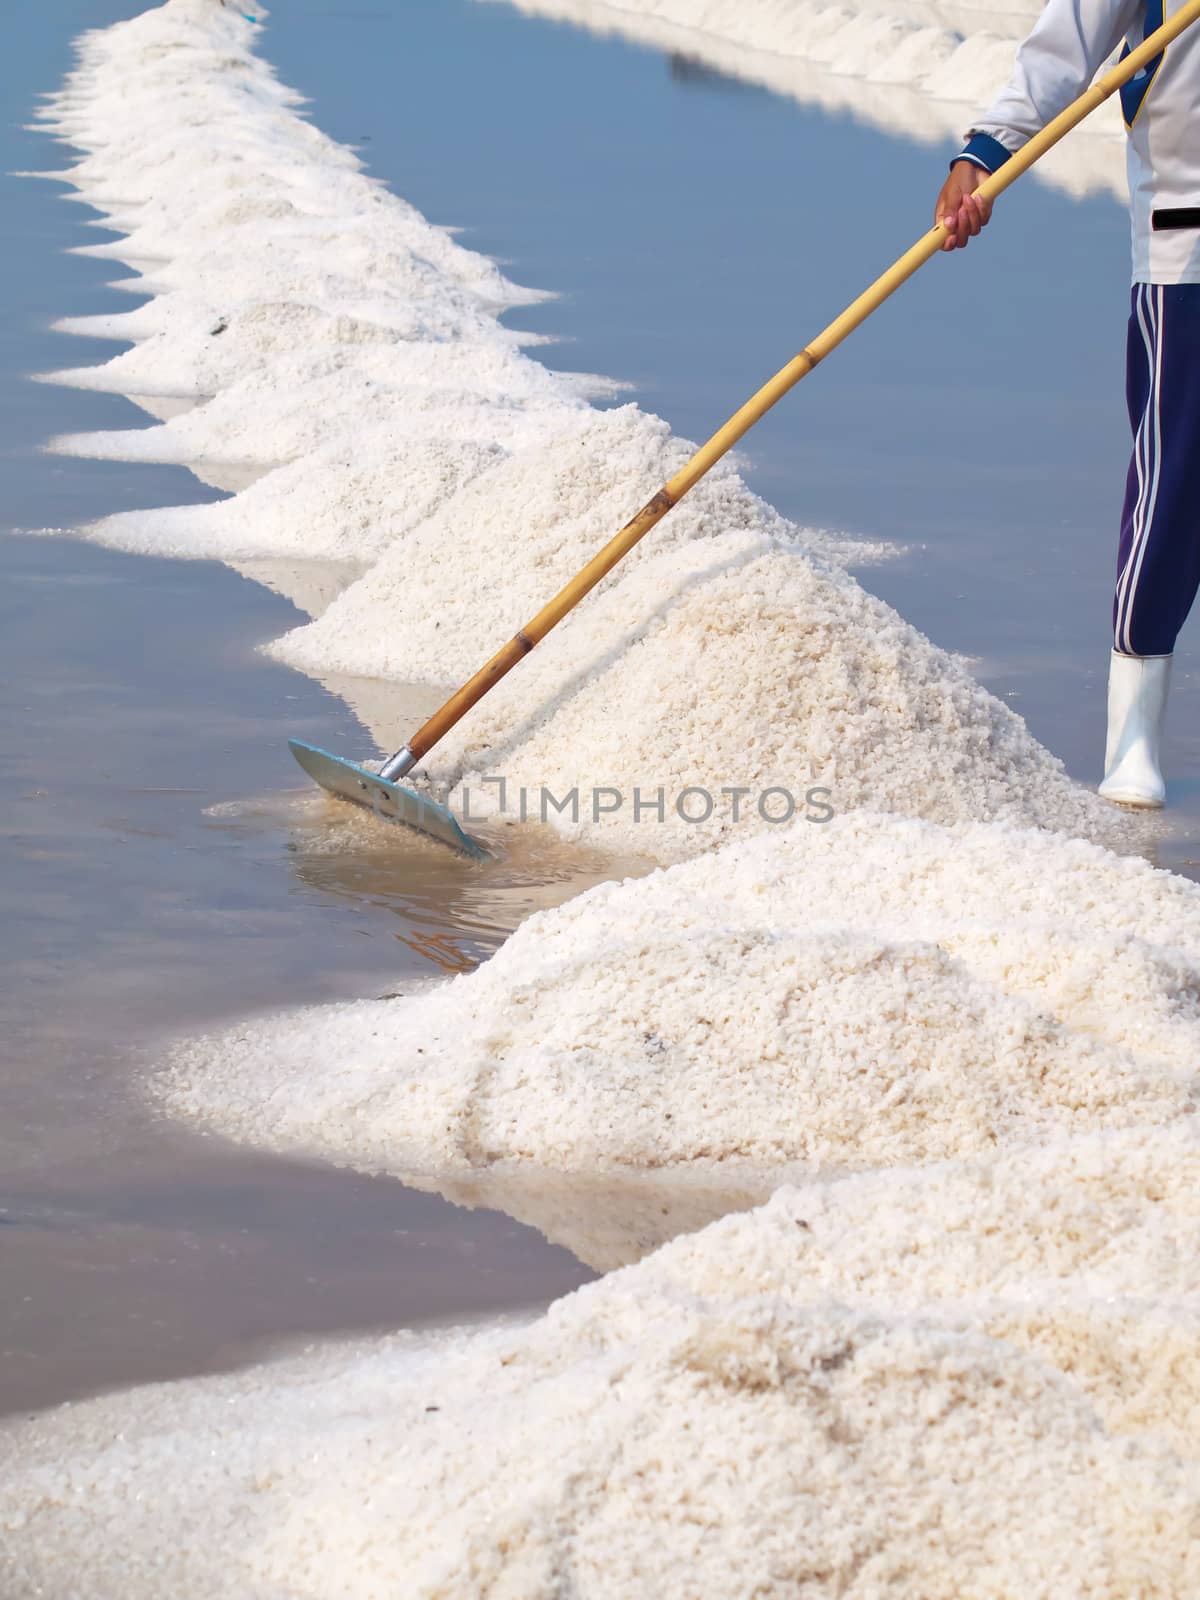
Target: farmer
[1158, 563]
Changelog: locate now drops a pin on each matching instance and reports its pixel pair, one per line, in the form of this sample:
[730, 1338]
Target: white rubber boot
[1137, 704]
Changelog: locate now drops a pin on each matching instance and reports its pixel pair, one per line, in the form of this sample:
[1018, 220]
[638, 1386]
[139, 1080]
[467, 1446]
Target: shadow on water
[689, 72]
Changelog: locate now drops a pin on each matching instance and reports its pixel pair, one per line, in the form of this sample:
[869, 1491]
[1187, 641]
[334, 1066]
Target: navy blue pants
[1158, 566]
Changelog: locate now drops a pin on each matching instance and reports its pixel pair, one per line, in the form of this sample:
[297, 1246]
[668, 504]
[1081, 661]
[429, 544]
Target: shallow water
[166, 870]
[160, 877]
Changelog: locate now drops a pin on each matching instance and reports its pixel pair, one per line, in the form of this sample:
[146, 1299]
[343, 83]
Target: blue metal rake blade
[349, 781]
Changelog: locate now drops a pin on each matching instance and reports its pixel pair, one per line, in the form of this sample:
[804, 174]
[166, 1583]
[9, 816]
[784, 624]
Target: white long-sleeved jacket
[1069, 43]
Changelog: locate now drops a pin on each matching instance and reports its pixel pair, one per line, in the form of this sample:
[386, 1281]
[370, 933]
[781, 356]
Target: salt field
[911, 1067]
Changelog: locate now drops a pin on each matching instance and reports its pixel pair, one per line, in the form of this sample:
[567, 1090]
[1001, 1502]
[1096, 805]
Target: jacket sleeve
[1069, 43]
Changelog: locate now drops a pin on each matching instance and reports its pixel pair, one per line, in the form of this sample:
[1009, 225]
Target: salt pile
[528, 525]
[736, 1416]
[870, 994]
[338, 502]
[1082, 1253]
[763, 671]
[283, 409]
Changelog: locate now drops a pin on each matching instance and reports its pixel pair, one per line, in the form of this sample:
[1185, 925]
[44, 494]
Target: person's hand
[959, 209]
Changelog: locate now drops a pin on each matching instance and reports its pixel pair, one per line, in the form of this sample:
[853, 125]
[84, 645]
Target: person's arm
[1066, 48]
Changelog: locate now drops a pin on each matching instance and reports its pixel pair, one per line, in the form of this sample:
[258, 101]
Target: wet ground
[163, 869]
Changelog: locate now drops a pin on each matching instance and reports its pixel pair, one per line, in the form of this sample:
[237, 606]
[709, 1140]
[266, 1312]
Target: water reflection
[690, 72]
[916, 71]
[453, 912]
[311, 586]
[611, 1219]
[204, 1256]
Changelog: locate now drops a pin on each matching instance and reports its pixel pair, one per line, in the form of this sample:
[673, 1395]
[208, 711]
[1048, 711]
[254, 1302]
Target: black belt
[1179, 217]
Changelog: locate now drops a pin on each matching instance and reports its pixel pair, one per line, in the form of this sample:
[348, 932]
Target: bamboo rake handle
[785, 379]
